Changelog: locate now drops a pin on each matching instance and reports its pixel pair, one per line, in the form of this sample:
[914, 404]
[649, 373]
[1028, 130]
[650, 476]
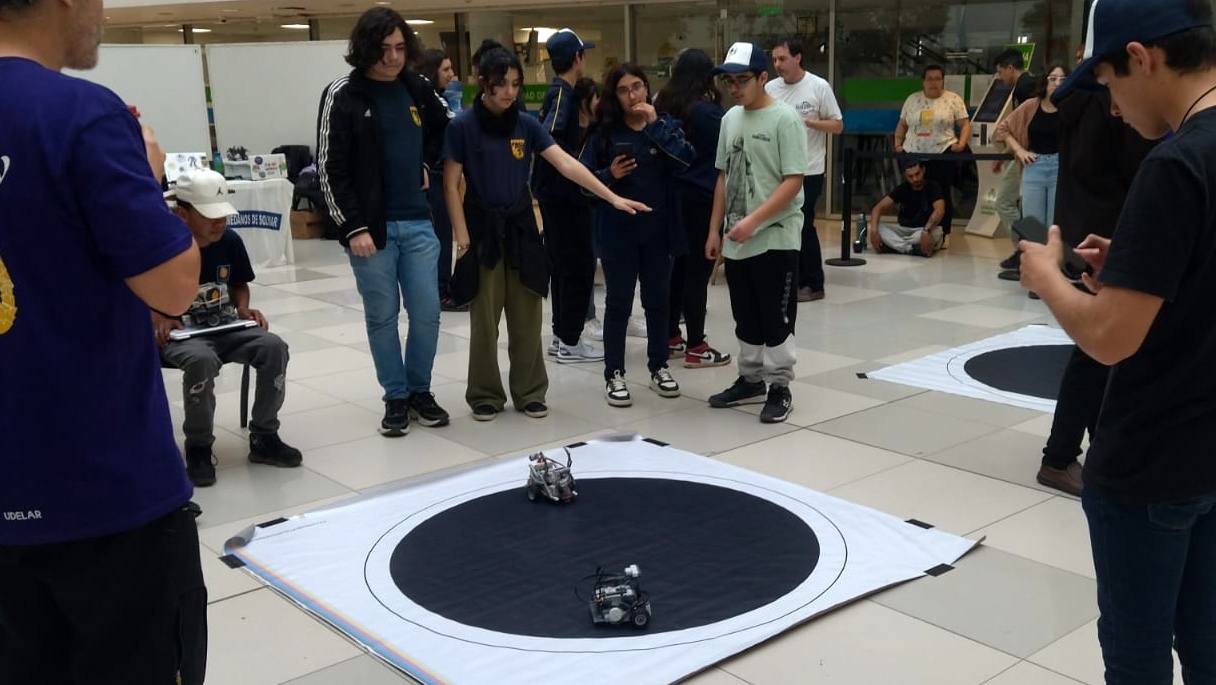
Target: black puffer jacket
[350, 151]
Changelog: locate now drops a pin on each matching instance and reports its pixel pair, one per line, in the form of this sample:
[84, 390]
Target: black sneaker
[426, 411]
[742, 392]
[484, 412]
[269, 449]
[193, 509]
[396, 421]
[536, 410]
[778, 405]
[200, 466]
[1013, 262]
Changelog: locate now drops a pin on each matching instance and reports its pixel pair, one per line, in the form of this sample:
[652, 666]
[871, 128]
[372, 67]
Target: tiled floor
[1019, 611]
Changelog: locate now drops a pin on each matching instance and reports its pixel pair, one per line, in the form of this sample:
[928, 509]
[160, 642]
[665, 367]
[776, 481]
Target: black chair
[244, 391]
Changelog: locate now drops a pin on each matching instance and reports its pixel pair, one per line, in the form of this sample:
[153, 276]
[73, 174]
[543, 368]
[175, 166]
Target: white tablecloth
[264, 221]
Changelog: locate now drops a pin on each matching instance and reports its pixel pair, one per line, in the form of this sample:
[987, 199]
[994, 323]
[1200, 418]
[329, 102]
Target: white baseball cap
[206, 191]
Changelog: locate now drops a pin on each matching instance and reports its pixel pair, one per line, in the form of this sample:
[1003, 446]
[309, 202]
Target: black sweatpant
[810, 257]
[571, 266]
[116, 610]
[690, 275]
[1081, 390]
[943, 171]
[764, 302]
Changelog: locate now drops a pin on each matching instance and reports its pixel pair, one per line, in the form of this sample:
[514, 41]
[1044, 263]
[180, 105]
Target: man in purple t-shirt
[100, 578]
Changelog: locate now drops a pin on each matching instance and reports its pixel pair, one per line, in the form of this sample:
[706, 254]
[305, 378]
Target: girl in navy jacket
[637, 151]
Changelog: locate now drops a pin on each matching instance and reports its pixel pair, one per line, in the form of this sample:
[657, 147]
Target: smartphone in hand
[625, 149]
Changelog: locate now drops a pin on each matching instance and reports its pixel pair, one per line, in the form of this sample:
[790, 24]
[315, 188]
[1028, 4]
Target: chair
[244, 391]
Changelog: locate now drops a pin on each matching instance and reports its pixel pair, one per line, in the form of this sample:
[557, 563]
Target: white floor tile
[1054, 532]
[818, 461]
[867, 644]
[1027, 673]
[947, 498]
[979, 315]
[266, 640]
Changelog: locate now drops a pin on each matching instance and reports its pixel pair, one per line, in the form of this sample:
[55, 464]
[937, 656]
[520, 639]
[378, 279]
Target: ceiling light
[226, 11]
[293, 26]
[419, 22]
[194, 30]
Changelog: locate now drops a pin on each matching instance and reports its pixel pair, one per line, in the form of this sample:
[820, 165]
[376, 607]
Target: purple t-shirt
[86, 444]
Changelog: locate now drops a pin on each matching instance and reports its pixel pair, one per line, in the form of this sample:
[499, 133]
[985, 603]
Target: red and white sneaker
[704, 356]
[676, 347]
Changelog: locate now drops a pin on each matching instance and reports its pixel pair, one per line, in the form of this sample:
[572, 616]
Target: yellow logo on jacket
[8, 301]
[517, 148]
[417, 117]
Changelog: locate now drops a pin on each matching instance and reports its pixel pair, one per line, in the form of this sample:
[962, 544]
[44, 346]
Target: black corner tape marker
[862, 376]
[939, 570]
[920, 524]
[232, 561]
[272, 522]
[652, 441]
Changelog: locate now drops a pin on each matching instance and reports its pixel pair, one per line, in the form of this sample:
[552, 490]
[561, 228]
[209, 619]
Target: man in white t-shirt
[815, 103]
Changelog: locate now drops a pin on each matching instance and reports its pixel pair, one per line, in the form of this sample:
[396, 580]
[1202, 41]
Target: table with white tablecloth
[264, 220]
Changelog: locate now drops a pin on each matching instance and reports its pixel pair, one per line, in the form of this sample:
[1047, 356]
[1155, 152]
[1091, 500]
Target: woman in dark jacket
[692, 98]
[501, 263]
[636, 151]
[436, 68]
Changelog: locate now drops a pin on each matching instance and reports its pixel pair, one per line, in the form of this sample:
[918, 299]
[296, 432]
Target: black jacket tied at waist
[509, 235]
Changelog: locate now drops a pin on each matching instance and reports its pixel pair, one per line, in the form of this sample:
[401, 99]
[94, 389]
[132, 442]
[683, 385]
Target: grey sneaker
[662, 383]
[581, 352]
[554, 344]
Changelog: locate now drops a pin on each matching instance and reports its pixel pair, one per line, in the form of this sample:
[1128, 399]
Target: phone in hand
[1030, 229]
[625, 149]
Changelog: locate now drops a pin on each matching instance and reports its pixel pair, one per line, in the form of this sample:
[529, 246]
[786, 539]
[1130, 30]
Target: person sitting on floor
[921, 208]
[202, 202]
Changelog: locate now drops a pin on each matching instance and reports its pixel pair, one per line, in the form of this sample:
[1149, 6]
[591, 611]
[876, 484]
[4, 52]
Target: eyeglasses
[635, 89]
[1056, 79]
[736, 81]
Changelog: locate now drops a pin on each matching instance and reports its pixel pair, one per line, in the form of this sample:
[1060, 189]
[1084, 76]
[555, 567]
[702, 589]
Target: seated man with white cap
[202, 202]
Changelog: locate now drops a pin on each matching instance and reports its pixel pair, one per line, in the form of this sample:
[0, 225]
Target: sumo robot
[549, 479]
[211, 308]
[619, 599]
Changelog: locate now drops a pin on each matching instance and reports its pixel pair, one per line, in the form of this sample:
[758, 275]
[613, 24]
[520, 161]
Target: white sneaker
[553, 345]
[594, 329]
[662, 383]
[636, 328]
[581, 352]
[616, 391]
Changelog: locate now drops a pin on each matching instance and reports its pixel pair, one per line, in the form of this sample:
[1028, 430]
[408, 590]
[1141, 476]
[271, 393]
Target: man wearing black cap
[1150, 479]
[566, 214]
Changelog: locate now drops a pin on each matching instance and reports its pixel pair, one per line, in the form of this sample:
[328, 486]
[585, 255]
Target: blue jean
[1156, 569]
[408, 265]
[1039, 188]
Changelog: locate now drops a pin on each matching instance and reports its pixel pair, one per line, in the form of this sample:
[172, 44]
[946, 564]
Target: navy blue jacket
[701, 129]
[559, 116]
[676, 153]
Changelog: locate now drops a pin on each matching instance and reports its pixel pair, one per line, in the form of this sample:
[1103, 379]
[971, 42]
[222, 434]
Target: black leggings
[690, 275]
